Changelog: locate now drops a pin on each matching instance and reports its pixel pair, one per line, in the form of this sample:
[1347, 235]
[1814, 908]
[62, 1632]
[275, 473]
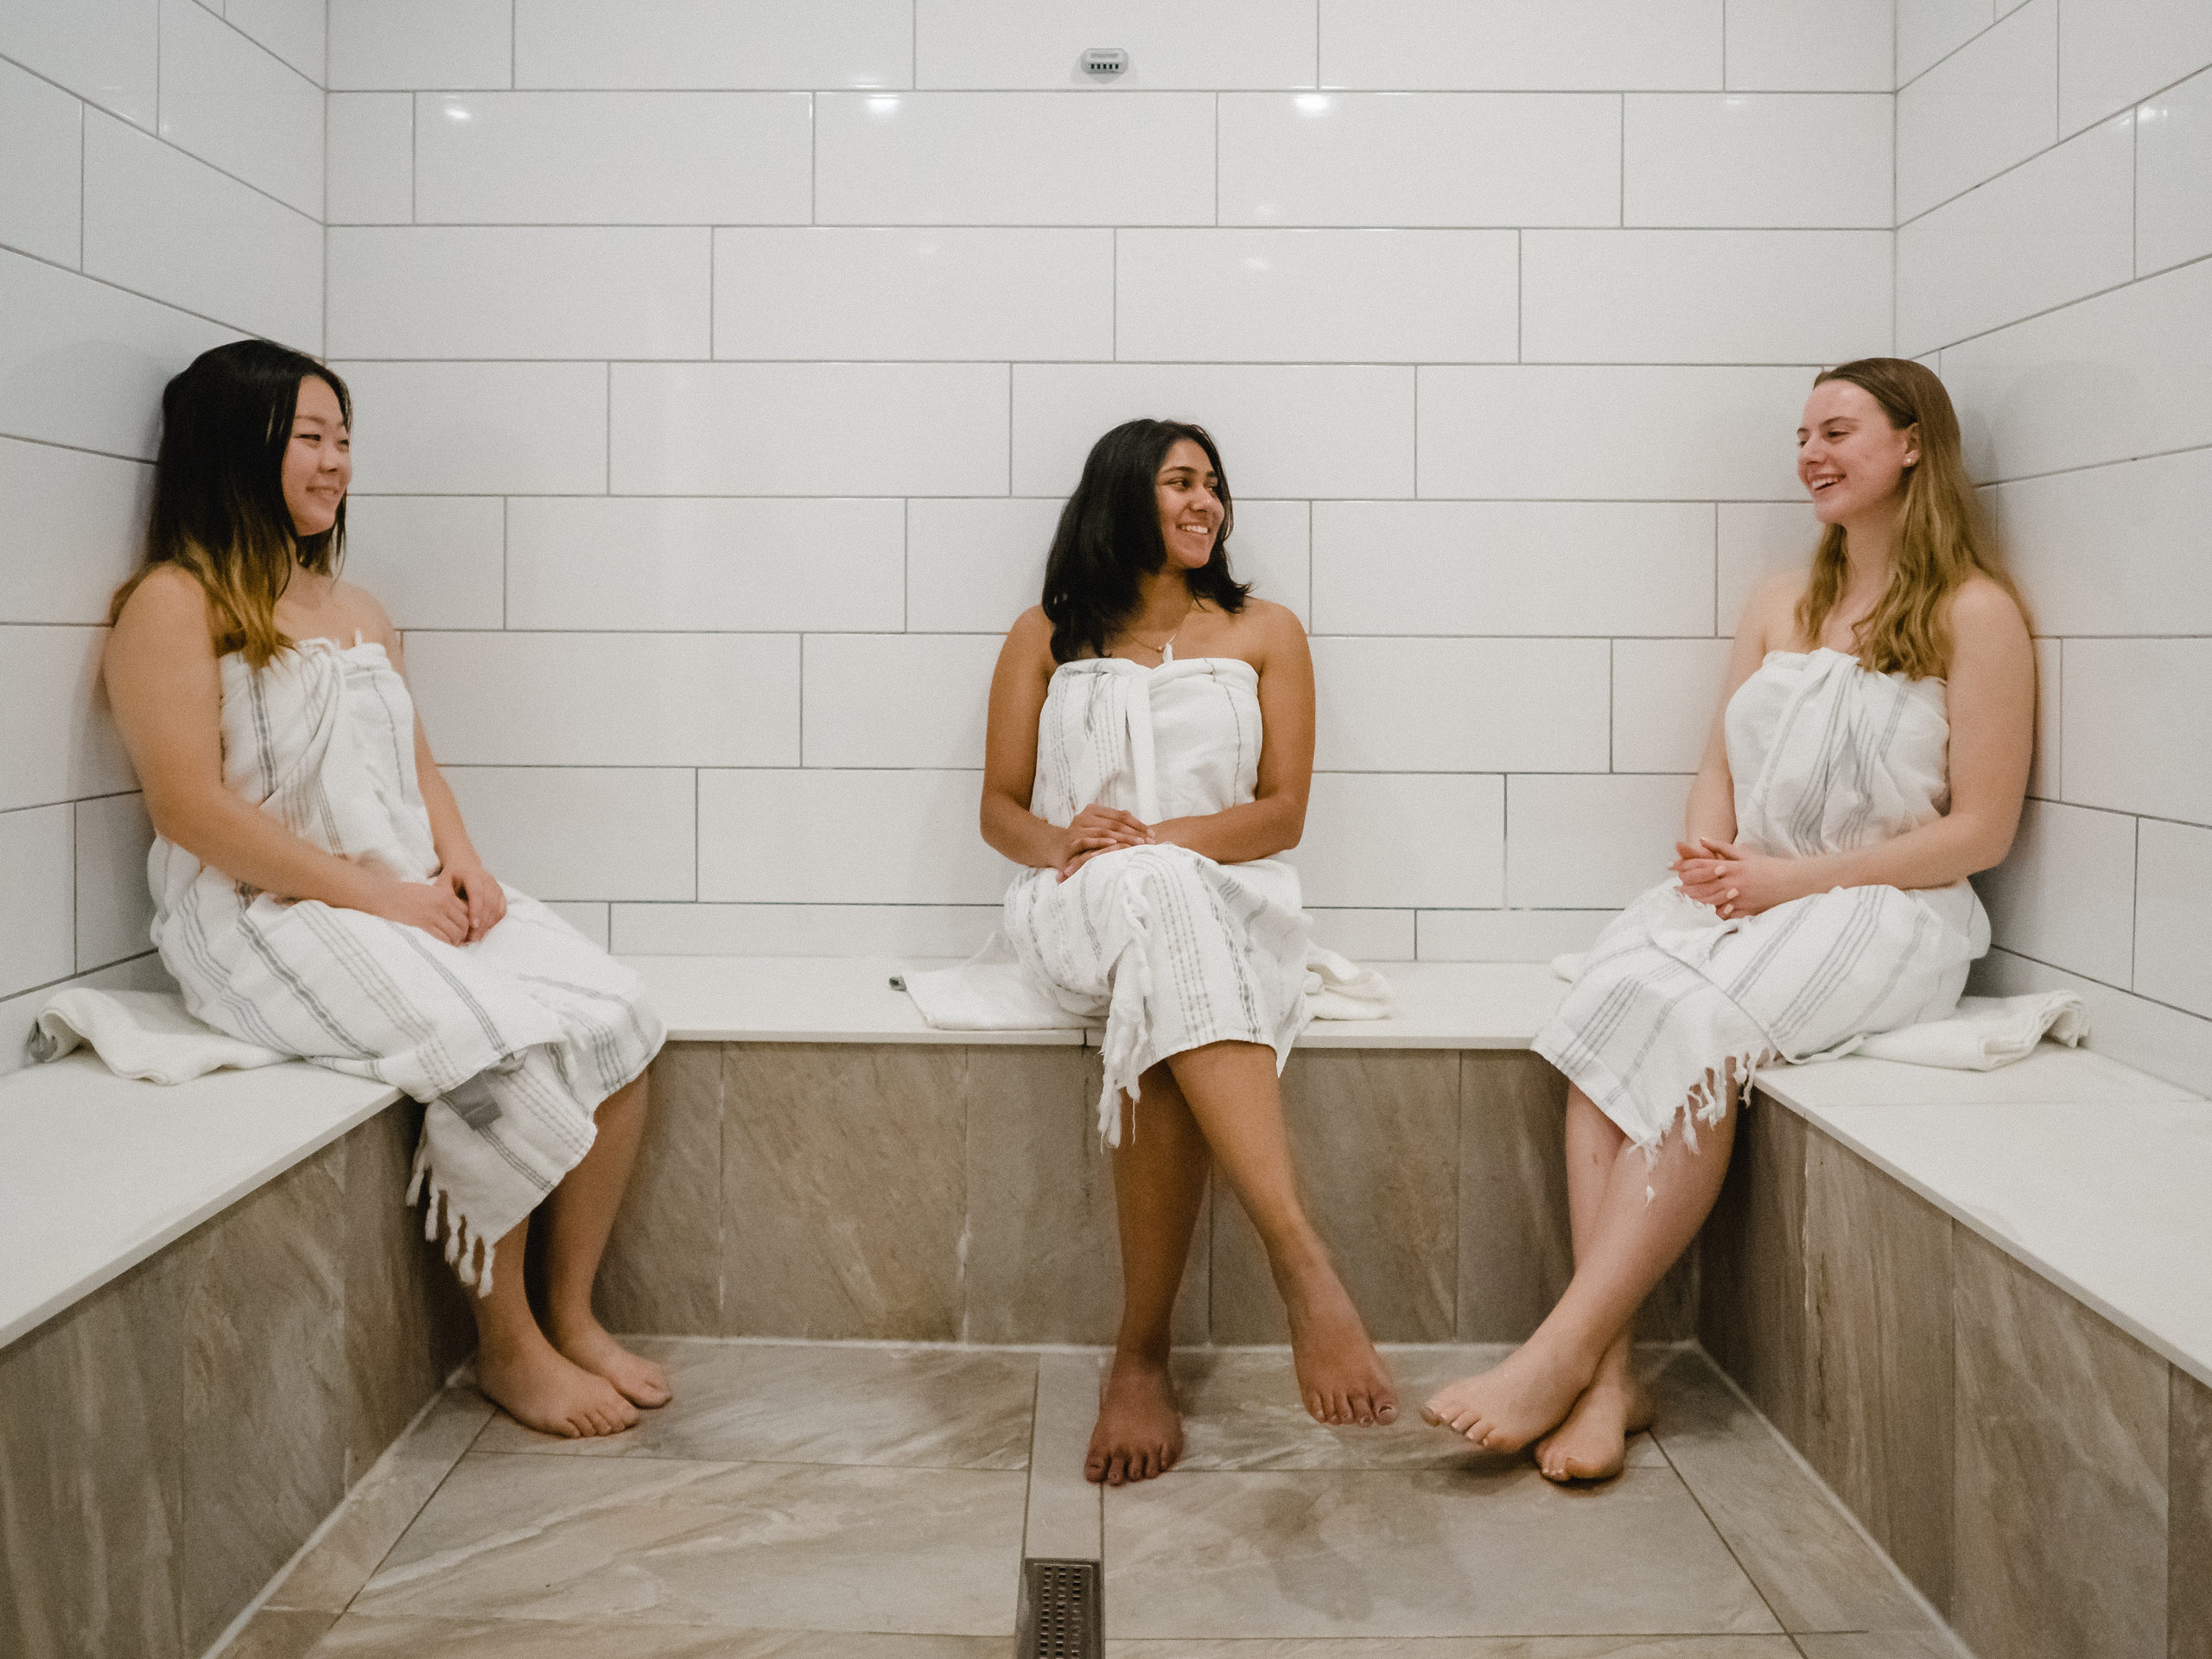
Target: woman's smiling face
[319, 459]
[1850, 459]
[1190, 504]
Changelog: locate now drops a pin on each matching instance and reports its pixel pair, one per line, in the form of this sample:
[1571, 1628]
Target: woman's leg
[516, 1367]
[1593, 1443]
[1645, 1218]
[578, 1218]
[1159, 1178]
[1238, 1107]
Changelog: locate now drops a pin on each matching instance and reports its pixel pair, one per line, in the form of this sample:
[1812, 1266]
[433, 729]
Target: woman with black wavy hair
[1151, 747]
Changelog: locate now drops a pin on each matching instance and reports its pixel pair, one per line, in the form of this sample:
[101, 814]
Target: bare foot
[1140, 1430]
[1341, 1378]
[1506, 1406]
[585, 1345]
[1593, 1443]
[541, 1390]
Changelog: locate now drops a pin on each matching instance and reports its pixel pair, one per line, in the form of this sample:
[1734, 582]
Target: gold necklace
[1160, 650]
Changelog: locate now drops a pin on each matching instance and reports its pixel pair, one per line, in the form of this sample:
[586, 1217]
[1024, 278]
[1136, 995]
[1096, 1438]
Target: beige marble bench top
[2089, 1172]
[850, 1000]
[100, 1172]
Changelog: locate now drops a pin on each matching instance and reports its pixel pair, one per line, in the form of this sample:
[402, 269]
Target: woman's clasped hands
[1100, 830]
[1732, 879]
[460, 905]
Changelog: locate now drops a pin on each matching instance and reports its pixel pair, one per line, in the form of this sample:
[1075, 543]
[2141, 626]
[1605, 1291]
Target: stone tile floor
[850, 1500]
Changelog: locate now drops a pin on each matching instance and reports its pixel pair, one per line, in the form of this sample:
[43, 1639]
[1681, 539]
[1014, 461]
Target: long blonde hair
[219, 493]
[1941, 537]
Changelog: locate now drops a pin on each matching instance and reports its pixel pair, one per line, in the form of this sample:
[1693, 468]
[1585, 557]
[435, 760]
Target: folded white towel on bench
[145, 1034]
[990, 992]
[1986, 1033]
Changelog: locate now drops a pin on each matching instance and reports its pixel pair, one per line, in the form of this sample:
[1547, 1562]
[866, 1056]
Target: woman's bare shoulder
[1273, 624]
[1771, 614]
[1029, 643]
[168, 599]
[1981, 605]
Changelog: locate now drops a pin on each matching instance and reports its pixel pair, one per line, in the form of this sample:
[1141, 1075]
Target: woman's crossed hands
[1099, 830]
[1734, 881]
[458, 906]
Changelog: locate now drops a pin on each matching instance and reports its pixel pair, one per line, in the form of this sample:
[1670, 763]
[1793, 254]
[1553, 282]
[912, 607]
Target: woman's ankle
[1301, 1266]
[1147, 1349]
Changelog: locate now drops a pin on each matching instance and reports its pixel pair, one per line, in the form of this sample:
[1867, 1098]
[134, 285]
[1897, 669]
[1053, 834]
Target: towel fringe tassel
[466, 1248]
[1125, 1036]
[1708, 1102]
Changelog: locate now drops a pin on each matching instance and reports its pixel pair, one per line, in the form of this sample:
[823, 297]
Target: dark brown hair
[1109, 538]
[218, 491]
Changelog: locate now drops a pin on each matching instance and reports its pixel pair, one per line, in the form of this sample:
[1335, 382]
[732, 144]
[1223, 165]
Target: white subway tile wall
[2054, 230]
[721, 367]
[1714, 160]
[162, 177]
[233, 102]
[2173, 141]
[41, 197]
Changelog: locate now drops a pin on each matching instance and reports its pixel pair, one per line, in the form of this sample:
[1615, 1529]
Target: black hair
[1109, 538]
[219, 507]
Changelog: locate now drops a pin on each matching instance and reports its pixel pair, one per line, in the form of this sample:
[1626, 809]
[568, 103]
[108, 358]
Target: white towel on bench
[990, 992]
[144, 1034]
[1986, 1031]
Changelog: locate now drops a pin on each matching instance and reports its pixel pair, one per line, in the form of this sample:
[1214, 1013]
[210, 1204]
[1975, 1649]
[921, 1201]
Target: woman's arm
[1019, 684]
[1274, 819]
[167, 694]
[1711, 814]
[460, 870]
[1991, 702]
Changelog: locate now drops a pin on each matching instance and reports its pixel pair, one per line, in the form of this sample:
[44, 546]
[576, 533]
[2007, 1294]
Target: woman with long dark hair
[1151, 747]
[1871, 752]
[316, 892]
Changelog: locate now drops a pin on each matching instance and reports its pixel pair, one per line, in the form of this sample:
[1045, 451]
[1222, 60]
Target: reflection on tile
[364, 1635]
[1878, 1405]
[662, 1268]
[1467, 1647]
[1241, 1412]
[89, 1522]
[1064, 1520]
[286, 1633]
[1515, 1256]
[1042, 1262]
[756, 1546]
[1813, 1567]
[2060, 1543]
[1446, 1552]
[1751, 1311]
[266, 1387]
[2189, 1518]
[408, 1322]
[1374, 1132]
[844, 1195]
[779, 1402]
[1880, 1644]
[383, 1505]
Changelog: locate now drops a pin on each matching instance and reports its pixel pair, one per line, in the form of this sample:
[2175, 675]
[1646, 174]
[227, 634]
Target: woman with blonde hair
[316, 892]
[1870, 754]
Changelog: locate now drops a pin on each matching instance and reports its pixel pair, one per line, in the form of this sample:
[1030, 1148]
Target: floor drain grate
[1062, 1611]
